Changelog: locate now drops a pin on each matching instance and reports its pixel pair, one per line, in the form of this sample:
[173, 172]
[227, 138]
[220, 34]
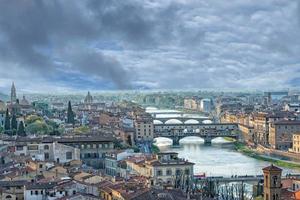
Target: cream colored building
[165, 169]
[296, 143]
[54, 151]
[191, 104]
[247, 132]
[281, 134]
[144, 129]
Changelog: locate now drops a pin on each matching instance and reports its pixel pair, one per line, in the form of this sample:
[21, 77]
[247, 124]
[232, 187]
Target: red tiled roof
[272, 168]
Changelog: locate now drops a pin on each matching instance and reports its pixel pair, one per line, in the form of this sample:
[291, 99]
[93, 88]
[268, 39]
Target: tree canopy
[70, 114]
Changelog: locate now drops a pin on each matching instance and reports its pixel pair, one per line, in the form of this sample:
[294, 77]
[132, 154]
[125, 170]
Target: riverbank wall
[263, 156]
[289, 155]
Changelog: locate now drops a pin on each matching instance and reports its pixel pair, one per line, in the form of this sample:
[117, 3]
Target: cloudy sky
[67, 45]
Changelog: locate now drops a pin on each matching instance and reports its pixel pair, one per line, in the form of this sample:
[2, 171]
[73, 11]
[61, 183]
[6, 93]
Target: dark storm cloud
[153, 43]
[32, 31]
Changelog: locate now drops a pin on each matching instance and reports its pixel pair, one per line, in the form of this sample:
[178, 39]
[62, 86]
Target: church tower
[13, 94]
[272, 183]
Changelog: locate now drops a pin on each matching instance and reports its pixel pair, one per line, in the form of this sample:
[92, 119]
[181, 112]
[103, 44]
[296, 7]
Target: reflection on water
[217, 159]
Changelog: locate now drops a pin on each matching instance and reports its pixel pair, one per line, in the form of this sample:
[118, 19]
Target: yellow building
[247, 132]
[296, 143]
[165, 169]
[191, 104]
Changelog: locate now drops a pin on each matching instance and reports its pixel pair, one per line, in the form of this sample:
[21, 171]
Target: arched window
[275, 179]
[8, 197]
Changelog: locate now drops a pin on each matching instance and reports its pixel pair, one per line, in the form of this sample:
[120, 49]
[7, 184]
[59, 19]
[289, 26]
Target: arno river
[217, 159]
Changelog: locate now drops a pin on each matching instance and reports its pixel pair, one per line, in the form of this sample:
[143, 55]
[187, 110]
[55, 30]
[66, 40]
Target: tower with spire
[13, 94]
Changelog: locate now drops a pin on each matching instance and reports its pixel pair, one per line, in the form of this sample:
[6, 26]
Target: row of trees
[36, 124]
[11, 126]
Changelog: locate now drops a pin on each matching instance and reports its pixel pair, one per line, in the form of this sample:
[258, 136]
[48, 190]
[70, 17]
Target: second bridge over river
[176, 130]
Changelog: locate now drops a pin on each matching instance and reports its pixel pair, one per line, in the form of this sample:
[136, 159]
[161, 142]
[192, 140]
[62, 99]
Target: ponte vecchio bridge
[176, 129]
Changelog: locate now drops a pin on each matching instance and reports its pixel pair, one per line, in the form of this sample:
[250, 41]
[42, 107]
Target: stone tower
[272, 183]
[13, 94]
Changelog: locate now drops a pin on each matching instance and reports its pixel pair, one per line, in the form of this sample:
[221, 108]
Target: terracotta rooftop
[287, 122]
[272, 168]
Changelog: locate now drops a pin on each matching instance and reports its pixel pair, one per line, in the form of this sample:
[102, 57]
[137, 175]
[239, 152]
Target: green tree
[54, 127]
[21, 129]
[32, 118]
[14, 124]
[38, 127]
[82, 130]
[70, 114]
[7, 122]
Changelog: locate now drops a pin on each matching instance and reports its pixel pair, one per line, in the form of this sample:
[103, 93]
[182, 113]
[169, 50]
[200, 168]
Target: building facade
[205, 105]
[281, 134]
[296, 143]
[54, 152]
[272, 183]
[144, 129]
[165, 169]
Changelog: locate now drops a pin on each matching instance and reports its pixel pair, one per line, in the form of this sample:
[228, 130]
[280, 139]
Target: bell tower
[13, 95]
[272, 183]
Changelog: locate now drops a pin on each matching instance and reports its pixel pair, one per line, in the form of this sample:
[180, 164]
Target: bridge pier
[207, 140]
[176, 141]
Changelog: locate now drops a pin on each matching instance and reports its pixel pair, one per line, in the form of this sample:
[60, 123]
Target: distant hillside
[4, 97]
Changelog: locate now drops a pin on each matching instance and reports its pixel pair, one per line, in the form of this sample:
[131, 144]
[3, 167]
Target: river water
[217, 159]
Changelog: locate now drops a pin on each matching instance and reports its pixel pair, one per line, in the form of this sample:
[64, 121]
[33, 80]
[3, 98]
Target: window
[275, 179]
[178, 172]
[36, 192]
[169, 172]
[33, 147]
[187, 171]
[19, 148]
[69, 155]
[46, 155]
[46, 147]
[159, 173]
